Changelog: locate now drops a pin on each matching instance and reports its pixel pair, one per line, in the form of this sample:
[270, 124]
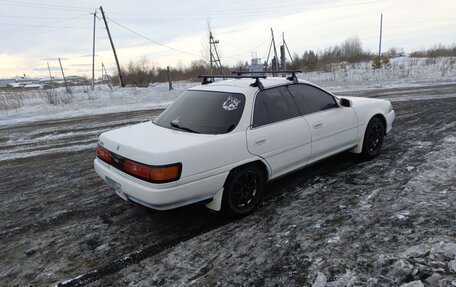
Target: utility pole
[286, 46]
[64, 79]
[102, 73]
[50, 75]
[274, 64]
[283, 63]
[93, 50]
[214, 56]
[113, 48]
[169, 79]
[380, 42]
[276, 68]
[210, 51]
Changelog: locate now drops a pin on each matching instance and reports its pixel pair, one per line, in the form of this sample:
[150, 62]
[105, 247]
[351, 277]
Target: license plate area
[117, 188]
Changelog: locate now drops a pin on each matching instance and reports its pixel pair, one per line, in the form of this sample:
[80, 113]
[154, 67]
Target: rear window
[204, 112]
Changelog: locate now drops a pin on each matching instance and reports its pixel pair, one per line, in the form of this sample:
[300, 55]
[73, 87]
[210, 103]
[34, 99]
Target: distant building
[4, 82]
[256, 65]
[75, 79]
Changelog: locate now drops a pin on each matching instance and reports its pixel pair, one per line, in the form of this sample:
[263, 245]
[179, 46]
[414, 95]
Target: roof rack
[207, 79]
[293, 73]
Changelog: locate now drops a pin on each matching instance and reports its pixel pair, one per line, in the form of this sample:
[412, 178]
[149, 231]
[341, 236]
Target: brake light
[104, 154]
[157, 174]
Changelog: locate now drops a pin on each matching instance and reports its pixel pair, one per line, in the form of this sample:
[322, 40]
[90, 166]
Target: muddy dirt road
[379, 223]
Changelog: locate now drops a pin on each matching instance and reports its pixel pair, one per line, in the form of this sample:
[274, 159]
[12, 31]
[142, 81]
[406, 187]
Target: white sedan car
[219, 143]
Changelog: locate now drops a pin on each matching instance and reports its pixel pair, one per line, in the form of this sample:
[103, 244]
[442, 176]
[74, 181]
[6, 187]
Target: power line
[32, 17]
[153, 41]
[42, 6]
[41, 26]
[15, 31]
[249, 51]
[259, 10]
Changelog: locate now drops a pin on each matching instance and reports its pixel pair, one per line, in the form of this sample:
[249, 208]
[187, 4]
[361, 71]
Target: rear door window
[274, 105]
[204, 112]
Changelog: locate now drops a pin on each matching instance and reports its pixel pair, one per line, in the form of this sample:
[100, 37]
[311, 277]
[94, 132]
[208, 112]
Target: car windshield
[204, 112]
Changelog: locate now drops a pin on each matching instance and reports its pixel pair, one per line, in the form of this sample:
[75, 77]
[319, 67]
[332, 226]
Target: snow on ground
[28, 106]
[36, 106]
[401, 72]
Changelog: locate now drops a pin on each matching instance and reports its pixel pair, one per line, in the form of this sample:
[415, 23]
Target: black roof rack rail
[257, 83]
[290, 78]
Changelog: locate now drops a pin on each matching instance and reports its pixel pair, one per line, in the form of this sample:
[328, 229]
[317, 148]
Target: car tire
[242, 191]
[373, 138]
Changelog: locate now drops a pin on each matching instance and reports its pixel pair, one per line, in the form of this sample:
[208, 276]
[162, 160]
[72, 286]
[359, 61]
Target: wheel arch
[362, 132]
[258, 163]
[382, 118]
[216, 203]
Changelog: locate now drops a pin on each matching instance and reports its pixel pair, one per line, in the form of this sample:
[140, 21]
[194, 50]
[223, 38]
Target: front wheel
[243, 191]
[373, 138]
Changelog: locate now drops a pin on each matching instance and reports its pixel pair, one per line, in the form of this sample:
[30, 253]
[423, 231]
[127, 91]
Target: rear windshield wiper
[176, 125]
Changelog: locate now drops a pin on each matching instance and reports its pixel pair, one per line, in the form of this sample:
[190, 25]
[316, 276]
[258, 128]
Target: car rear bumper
[158, 196]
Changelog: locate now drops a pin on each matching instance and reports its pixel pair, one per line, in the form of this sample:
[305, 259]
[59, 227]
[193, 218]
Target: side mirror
[345, 103]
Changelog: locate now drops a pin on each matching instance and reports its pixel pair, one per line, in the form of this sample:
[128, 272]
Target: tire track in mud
[141, 254]
[72, 226]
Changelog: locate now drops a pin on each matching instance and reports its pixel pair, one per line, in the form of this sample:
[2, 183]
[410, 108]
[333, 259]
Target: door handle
[259, 141]
[318, 125]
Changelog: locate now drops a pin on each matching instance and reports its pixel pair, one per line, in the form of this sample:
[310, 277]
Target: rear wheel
[373, 138]
[243, 191]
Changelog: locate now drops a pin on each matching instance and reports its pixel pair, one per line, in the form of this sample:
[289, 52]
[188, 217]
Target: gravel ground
[341, 222]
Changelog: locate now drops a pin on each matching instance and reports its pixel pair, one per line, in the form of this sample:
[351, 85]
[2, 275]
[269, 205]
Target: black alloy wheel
[373, 138]
[243, 191]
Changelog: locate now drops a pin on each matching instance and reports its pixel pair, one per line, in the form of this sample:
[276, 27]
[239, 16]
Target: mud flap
[216, 203]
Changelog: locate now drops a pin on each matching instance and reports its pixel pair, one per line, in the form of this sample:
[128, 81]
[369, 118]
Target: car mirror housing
[345, 103]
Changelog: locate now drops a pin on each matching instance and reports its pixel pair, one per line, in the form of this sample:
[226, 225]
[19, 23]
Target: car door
[333, 128]
[279, 133]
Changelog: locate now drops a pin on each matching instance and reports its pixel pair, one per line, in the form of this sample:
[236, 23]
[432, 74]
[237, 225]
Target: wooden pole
[64, 79]
[113, 48]
[289, 54]
[169, 79]
[275, 52]
[283, 61]
[380, 42]
[210, 51]
[50, 75]
[93, 50]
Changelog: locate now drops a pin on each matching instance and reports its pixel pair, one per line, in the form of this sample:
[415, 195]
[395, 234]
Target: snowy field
[38, 105]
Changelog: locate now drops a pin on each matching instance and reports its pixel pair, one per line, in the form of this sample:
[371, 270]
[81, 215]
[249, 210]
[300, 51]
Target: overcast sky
[34, 33]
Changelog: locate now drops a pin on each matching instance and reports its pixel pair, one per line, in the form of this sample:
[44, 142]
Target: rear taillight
[104, 154]
[165, 173]
[136, 169]
[150, 173]
[157, 174]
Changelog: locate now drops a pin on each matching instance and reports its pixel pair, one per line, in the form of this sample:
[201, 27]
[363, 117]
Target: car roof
[243, 85]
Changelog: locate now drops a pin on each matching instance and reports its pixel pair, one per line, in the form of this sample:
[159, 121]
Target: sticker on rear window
[231, 103]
